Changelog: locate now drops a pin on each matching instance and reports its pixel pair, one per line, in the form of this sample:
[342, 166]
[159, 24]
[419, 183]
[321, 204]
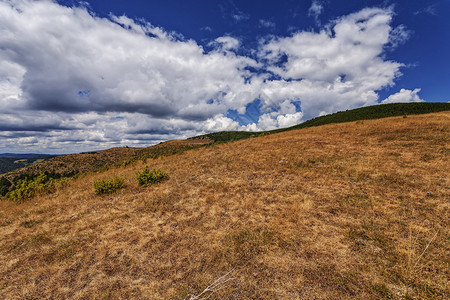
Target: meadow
[355, 210]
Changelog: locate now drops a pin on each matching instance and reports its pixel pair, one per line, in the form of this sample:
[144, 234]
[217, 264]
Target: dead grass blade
[424, 250]
[220, 284]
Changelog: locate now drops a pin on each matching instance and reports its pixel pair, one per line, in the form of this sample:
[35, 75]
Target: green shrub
[147, 176]
[128, 162]
[5, 184]
[108, 186]
[28, 188]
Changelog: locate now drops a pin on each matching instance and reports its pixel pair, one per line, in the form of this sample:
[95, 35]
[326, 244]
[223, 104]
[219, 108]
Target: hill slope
[363, 113]
[354, 210]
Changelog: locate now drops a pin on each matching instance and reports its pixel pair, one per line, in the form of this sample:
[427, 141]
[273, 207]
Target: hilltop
[358, 114]
[355, 210]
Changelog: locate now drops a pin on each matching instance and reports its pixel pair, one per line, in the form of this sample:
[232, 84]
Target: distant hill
[363, 113]
[12, 161]
[25, 155]
[78, 163]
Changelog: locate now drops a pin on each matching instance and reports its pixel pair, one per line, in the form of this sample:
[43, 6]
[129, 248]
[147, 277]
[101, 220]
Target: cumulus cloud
[72, 81]
[404, 96]
[93, 64]
[340, 67]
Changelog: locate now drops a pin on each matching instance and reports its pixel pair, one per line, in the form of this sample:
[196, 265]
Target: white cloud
[288, 120]
[70, 80]
[226, 43]
[338, 68]
[221, 123]
[404, 96]
[238, 17]
[206, 28]
[429, 10]
[266, 24]
[130, 67]
[315, 10]
[11, 75]
[399, 36]
[230, 9]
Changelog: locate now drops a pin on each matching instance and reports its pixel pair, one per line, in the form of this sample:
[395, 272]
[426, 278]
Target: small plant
[147, 176]
[128, 162]
[108, 186]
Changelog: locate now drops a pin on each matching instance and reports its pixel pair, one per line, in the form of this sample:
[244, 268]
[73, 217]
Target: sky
[79, 76]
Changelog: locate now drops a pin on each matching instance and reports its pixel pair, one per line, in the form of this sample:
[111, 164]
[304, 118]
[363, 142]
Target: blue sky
[85, 75]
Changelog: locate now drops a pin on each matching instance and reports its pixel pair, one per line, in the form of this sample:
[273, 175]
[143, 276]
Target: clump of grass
[128, 162]
[147, 176]
[159, 203]
[108, 186]
[243, 245]
[30, 223]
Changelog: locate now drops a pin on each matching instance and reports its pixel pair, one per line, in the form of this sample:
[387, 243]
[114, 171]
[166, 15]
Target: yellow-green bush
[28, 188]
[108, 186]
[147, 176]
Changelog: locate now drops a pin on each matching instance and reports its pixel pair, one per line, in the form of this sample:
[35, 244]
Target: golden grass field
[349, 211]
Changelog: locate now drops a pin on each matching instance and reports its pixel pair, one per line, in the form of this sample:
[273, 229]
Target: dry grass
[350, 211]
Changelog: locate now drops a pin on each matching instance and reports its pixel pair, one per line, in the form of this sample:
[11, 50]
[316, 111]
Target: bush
[147, 176]
[5, 184]
[28, 188]
[108, 186]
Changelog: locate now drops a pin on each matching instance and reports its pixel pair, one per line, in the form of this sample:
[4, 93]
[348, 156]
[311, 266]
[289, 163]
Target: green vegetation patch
[108, 186]
[26, 188]
[147, 176]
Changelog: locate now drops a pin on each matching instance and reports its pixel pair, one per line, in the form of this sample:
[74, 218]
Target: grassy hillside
[344, 211]
[67, 165]
[363, 113]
